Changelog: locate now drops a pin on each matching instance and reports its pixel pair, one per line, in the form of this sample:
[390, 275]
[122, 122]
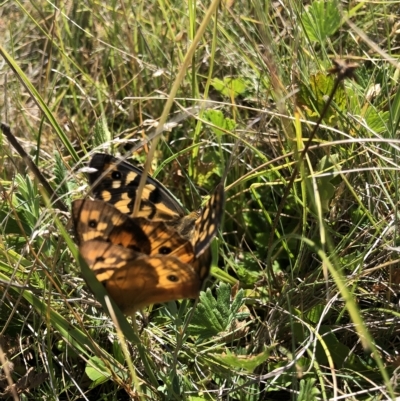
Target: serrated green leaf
[205, 322]
[230, 87]
[223, 299]
[321, 20]
[217, 118]
[308, 390]
[315, 94]
[237, 303]
[248, 363]
[214, 316]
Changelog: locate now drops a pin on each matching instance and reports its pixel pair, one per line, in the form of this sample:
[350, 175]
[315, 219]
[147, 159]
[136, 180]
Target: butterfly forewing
[116, 182]
[207, 224]
[98, 220]
[135, 280]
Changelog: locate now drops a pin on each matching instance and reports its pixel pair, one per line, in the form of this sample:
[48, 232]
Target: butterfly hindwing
[116, 182]
[135, 280]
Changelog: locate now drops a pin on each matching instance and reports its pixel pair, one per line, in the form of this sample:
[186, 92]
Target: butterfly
[158, 256]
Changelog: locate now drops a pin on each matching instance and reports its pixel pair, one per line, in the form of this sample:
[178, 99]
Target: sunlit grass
[313, 313]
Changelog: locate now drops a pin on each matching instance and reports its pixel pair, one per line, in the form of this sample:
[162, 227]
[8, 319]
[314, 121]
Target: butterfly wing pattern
[161, 255]
[116, 182]
[135, 280]
[94, 219]
[206, 226]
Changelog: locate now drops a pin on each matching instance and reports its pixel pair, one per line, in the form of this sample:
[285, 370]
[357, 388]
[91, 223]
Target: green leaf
[231, 87]
[341, 354]
[245, 362]
[222, 275]
[329, 167]
[377, 121]
[97, 371]
[27, 200]
[284, 379]
[308, 390]
[321, 20]
[211, 165]
[101, 132]
[215, 315]
[11, 225]
[249, 270]
[61, 174]
[314, 95]
[315, 314]
[40, 103]
[217, 118]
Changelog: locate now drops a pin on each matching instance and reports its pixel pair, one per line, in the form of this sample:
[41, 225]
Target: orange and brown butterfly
[143, 260]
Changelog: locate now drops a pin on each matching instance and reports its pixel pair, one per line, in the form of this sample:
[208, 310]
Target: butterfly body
[162, 254]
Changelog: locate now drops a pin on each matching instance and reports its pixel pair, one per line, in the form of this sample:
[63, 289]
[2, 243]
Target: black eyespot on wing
[173, 278]
[165, 250]
[92, 223]
[101, 162]
[116, 175]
